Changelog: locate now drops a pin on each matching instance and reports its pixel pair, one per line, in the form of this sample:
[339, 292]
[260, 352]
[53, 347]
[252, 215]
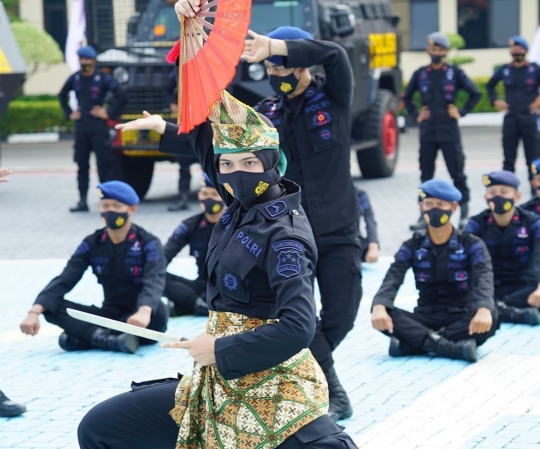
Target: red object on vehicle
[208, 53]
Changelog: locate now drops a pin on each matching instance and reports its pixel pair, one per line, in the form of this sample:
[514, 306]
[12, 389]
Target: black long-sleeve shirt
[260, 263]
[520, 87]
[514, 249]
[457, 274]
[438, 89]
[132, 273]
[91, 91]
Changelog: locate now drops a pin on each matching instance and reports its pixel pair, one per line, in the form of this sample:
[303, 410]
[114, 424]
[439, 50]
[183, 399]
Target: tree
[37, 46]
[457, 42]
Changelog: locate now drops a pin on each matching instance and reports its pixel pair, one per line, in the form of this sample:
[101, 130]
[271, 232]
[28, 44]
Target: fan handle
[180, 70]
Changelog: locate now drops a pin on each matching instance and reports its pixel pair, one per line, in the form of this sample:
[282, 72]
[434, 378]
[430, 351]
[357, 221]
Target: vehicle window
[269, 15]
[166, 26]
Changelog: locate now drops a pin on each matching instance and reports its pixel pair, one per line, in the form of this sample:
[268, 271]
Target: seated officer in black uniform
[127, 261]
[512, 236]
[521, 81]
[439, 84]
[533, 205]
[187, 296]
[370, 243]
[455, 312]
[91, 86]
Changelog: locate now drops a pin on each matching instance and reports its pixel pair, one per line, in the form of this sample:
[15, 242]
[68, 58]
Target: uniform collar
[452, 243]
[131, 235]
[516, 219]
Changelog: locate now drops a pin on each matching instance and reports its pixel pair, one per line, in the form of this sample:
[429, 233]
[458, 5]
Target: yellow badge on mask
[216, 208]
[285, 87]
[486, 180]
[261, 188]
[444, 218]
[228, 188]
[120, 221]
[507, 206]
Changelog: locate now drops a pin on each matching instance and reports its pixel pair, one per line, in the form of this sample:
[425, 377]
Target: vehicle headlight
[256, 71]
[121, 75]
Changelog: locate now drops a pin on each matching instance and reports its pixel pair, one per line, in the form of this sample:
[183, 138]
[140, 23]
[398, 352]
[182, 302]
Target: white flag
[75, 39]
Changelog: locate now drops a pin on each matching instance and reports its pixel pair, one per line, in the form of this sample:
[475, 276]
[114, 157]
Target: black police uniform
[454, 280]
[185, 161]
[533, 205]
[314, 130]
[92, 133]
[521, 89]
[246, 274]
[132, 274]
[184, 293]
[371, 225]
[438, 89]
[515, 254]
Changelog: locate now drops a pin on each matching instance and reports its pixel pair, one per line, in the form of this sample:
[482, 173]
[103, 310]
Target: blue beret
[119, 191]
[501, 177]
[439, 39]
[437, 188]
[535, 167]
[87, 52]
[518, 40]
[286, 33]
[206, 182]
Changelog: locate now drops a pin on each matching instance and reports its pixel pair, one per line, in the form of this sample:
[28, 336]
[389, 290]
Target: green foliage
[456, 40]
[34, 116]
[36, 46]
[460, 60]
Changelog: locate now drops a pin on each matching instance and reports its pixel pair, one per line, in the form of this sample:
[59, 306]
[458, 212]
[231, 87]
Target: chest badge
[230, 281]
[522, 233]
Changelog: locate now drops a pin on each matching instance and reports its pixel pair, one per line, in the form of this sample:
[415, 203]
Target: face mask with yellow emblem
[248, 187]
[211, 206]
[283, 85]
[500, 205]
[437, 217]
[115, 220]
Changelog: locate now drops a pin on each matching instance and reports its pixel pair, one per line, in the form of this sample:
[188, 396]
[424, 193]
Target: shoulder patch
[83, 248]
[152, 251]
[181, 230]
[404, 254]
[476, 251]
[288, 257]
[276, 209]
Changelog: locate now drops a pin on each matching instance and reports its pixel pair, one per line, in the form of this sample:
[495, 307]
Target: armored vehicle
[133, 37]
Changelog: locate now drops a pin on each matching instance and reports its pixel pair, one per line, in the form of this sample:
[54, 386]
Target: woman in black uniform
[254, 382]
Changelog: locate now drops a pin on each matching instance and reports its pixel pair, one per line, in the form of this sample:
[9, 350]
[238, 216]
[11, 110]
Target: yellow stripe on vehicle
[5, 67]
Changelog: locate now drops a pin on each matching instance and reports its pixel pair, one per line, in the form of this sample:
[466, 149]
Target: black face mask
[87, 68]
[247, 187]
[437, 217]
[283, 85]
[115, 220]
[500, 205]
[211, 206]
[435, 59]
[518, 57]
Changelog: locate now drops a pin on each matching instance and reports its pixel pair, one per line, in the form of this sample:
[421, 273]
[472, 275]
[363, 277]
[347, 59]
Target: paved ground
[419, 402]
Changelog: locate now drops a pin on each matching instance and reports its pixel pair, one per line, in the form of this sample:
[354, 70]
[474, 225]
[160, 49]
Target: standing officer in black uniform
[370, 243]
[455, 312]
[533, 205]
[185, 162]
[512, 236]
[438, 84]
[187, 296]
[91, 86]
[127, 261]
[521, 82]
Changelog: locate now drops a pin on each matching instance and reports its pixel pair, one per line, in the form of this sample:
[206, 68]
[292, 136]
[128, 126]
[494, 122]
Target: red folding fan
[209, 50]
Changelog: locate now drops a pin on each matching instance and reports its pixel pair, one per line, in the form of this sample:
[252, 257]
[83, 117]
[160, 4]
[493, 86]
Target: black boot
[201, 307]
[8, 408]
[420, 225]
[182, 204]
[70, 343]
[82, 206]
[340, 406]
[463, 215]
[106, 339]
[461, 350]
[399, 348]
[526, 315]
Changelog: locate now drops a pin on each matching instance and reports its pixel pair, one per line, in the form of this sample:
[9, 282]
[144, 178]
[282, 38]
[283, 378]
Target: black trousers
[90, 136]
[515, 128]
[184, 293]
[83, 331]
[339, 277]
[413, 327]
[185, 174]
[140, 420]
[455, 162]
[514, 295]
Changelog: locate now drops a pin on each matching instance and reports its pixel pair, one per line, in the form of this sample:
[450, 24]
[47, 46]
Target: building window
[55, 20]
[100, 24]
[489, 23]
[424, 20]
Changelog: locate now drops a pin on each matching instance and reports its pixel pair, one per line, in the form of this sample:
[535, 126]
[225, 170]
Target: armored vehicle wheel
[138, 172]
[380, 124]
